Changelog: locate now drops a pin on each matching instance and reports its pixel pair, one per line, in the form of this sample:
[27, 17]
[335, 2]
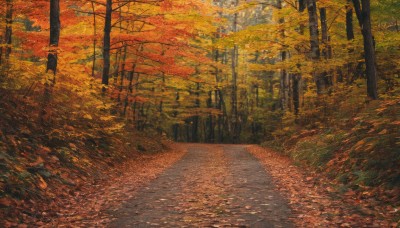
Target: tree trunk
[195, 119]
[9, 22]
[122, 75]
[130, 87]
[117, 62]
[224, 117]
[369, 48]
[326, 50]
[363, 13]
[106, 43]
[210, 122]
[234, 66]
[350, 37]
[296, 93]
[54, 35]
[175, 127]
[51, 57]
[161, 105]
[302, 5]
[257, 96]
[297, 78]
[324, 35]
[284, 77]
[349, 21]
[175, 132]
[94, 39]
[314, 42]
[1, 50]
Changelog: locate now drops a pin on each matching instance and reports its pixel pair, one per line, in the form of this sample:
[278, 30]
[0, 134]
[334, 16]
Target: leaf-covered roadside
[317, 201]
[43, 165]
[95, 192]
[354, 145]
[91, 206]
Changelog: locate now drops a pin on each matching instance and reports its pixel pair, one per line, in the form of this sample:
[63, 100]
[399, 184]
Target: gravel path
[211, 186]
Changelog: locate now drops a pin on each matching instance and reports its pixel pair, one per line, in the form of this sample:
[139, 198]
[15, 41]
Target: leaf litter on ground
[315, 200]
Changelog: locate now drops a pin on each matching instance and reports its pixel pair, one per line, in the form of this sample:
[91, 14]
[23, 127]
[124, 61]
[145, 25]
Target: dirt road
[212, 186]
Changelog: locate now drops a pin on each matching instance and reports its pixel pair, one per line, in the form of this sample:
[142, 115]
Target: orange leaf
[42, 184]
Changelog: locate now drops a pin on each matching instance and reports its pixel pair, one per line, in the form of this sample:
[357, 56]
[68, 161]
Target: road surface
[211, 186]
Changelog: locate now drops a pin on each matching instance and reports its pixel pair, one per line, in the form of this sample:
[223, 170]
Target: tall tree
[363, 12]
[297, 78]
[284, 76]
[349, 21]
[1, 49]
[314, 42]
[54, 35]
[326, 49]
[94, 38]
[235, 60]
[107, 43]
[8, 32]
[350, 37]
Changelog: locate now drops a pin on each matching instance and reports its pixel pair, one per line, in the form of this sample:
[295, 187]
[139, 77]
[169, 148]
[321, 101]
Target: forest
[87, 86]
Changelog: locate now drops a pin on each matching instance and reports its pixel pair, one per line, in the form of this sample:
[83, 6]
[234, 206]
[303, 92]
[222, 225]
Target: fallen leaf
[41, 183]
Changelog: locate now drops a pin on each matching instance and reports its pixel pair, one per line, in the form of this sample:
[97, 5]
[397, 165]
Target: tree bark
[297, 78]
[130, 87]
[195, 119]
[210, 121]
[234, 56]
[284, 85]
[175, 127]
[54, 35]
[117, 62]
[314, 42]
[9, 22]
[349, 22]
[326, 50]
[106, 43]
[94, 39]
[302, 5]
[363, 13]
[51, 57]
[1, 50]
[284, 77]
[350, 37]
[296, 93]
[122, 75]
[369, 48]
[313, 27]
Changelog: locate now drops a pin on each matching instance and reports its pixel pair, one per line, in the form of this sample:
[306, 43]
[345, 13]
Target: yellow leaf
[359, 143]
[106, 118]
[88, 116]
[42, 184]
[384, 131]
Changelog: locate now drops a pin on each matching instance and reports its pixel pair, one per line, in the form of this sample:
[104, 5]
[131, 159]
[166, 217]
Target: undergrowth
[353, 141]
[50, 146]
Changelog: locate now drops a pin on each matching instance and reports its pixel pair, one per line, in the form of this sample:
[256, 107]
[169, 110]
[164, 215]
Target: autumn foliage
[316, 80]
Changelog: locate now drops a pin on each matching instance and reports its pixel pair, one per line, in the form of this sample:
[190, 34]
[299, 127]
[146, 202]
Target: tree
[363, 13]
[8, 31]
[314, 42]
[106, 43]
[9, 19]
[54, 35]
[234, 65]
[284, 77]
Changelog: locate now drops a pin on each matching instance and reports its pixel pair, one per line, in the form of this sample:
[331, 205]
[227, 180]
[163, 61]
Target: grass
[316, 151]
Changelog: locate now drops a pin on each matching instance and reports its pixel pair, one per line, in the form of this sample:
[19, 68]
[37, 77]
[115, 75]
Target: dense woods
[85, 79]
